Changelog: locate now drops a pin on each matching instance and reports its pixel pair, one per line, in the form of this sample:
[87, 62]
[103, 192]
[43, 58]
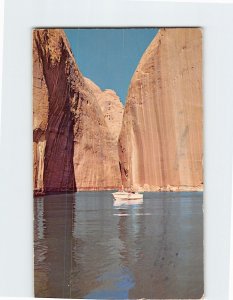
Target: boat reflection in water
[90, 246]
[125, 202]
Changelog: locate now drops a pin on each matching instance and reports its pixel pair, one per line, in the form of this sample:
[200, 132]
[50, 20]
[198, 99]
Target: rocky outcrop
[96, 160]
[40, 120]
[73, 148]
[52, 113]
[160, 144]
[111, 107]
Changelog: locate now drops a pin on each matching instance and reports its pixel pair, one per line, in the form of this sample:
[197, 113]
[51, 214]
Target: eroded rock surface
[160, 144]
[73, 148]
[111, 107]
[52, 112]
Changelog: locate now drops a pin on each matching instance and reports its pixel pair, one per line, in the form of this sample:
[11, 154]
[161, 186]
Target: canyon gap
[76, 125]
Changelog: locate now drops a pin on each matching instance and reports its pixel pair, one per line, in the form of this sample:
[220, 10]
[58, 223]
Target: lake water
[88, 246]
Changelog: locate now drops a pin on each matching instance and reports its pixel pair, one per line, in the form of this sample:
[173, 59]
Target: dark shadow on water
[88, 247]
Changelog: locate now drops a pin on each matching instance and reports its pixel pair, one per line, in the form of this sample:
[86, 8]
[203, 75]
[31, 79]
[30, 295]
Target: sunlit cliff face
[76, 125]
[160, 144]
[73, 146]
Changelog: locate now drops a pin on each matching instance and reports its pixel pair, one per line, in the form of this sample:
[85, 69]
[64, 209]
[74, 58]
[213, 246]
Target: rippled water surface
[88, 246]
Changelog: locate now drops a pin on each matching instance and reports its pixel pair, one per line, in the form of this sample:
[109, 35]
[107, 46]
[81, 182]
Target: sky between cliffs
[109, 57]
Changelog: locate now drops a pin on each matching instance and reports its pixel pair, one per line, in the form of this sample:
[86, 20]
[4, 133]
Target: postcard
[118, 163]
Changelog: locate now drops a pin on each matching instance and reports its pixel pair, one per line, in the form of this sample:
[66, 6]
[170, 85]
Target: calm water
[87, 246]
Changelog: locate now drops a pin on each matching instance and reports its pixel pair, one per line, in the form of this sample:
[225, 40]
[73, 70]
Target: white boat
[123, 202]
[127, 196]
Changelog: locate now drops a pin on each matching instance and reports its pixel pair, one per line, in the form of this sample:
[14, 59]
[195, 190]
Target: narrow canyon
[160, 144]
[84, 138]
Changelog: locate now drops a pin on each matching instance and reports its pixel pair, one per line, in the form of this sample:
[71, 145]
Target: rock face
[160, 144]
[111, 107]
[52, 113]
[73, 147]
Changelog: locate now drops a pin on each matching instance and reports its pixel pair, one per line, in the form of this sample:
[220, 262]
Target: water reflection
[126, 203]
[39, 222]
[53, 252]
[89, 246]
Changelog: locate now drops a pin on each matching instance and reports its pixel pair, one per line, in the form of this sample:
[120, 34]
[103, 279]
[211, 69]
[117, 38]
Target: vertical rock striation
[52, 113]
[96, 160]
[111, 107]
[160, 144]
[40, 119]
[73, 148]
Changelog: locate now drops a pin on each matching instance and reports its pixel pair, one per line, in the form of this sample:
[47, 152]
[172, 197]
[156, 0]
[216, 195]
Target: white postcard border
[16, 207]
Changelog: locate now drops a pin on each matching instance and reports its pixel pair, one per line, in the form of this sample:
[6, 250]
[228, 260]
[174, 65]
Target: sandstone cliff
[160, 144]
[111, 107]
[52, 115]
[73, 147]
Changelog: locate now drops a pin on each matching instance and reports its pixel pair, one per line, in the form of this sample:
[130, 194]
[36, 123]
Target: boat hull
[127, 196]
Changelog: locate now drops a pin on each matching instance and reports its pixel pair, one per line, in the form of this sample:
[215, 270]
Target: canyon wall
[52, 113]
[96, 160]
[160, 144]
[111, 107]
[73, 147]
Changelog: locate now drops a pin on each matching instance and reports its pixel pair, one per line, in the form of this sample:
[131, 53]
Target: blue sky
[109, 57]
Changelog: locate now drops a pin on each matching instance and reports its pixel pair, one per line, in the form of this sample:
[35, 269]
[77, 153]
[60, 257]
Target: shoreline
[168, 189]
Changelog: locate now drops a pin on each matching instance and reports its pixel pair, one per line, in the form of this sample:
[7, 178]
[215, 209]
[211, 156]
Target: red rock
[73, 148]
[160, 144]
[52, 115]
[111, 107]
